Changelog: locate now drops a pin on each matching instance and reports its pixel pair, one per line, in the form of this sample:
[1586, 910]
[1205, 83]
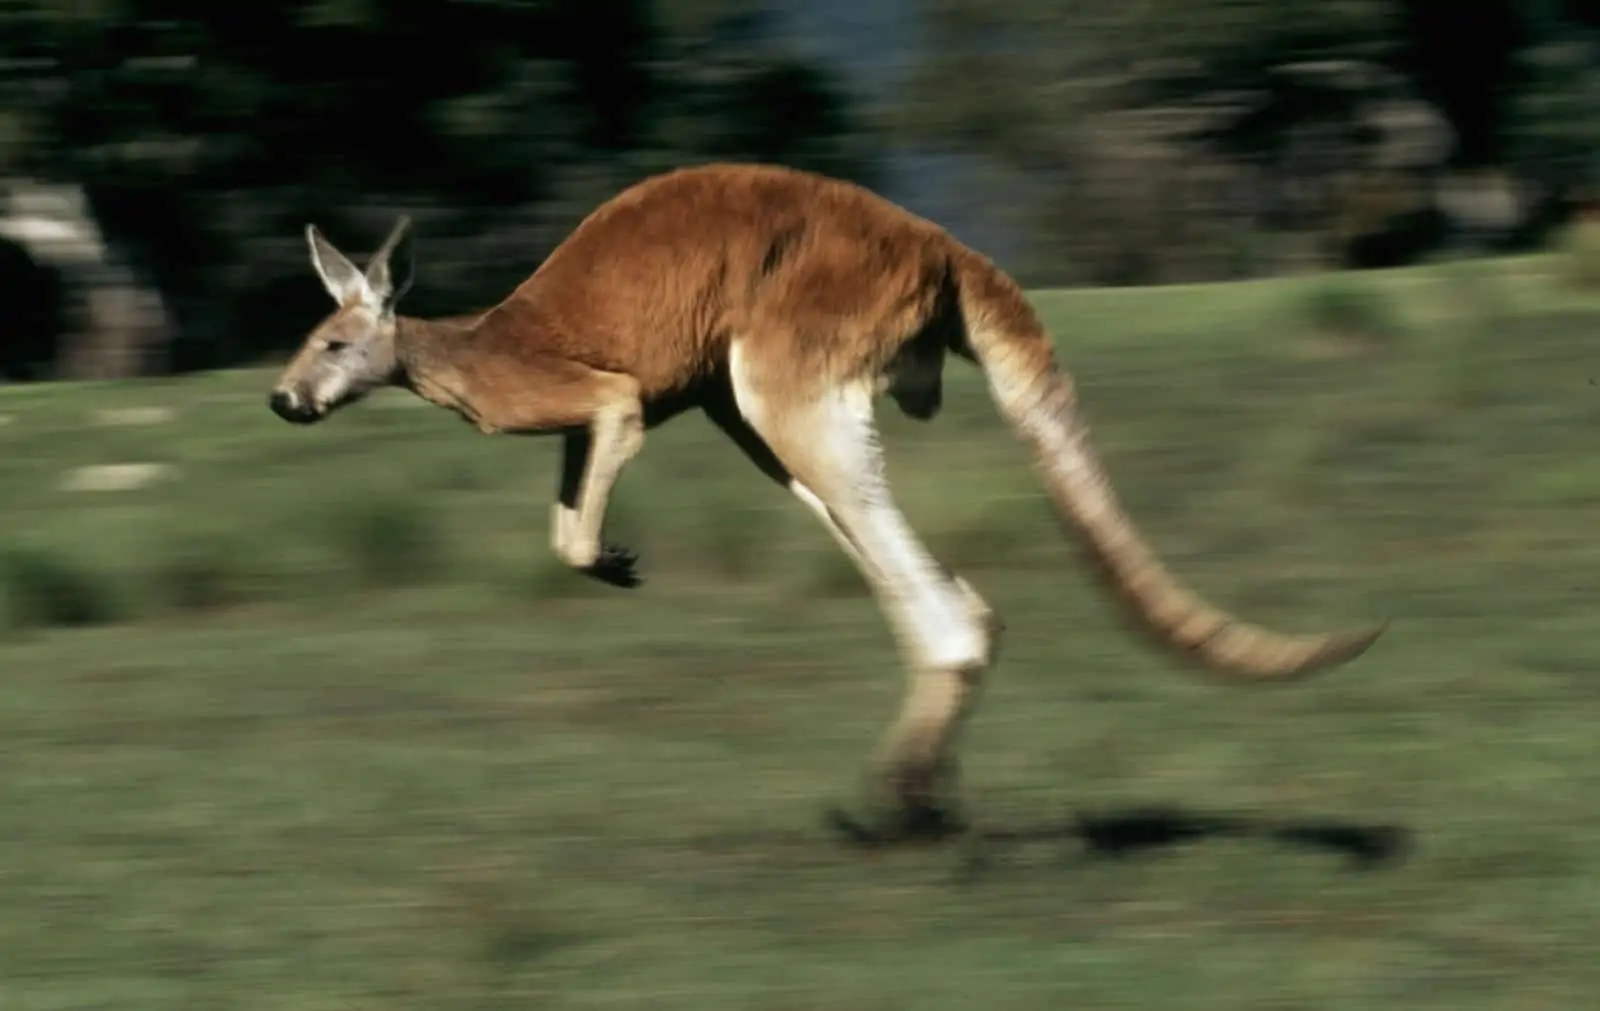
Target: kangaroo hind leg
[827, 443]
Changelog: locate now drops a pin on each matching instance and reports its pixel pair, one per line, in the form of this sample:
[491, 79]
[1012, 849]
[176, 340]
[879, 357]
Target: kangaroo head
[352, 351]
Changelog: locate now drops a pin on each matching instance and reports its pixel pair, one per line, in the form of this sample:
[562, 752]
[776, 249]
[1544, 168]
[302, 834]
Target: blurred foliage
[1554, 123]
[207, 133]
[1205, 139]
[1111, 142]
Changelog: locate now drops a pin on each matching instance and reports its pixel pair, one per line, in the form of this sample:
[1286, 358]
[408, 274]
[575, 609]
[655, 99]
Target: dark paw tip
[616, 566]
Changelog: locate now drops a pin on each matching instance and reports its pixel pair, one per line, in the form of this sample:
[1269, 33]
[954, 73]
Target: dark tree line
[1164, 140]
[1197, 139]
[206, 134]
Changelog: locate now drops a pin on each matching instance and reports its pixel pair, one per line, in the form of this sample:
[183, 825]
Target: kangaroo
[781, 304]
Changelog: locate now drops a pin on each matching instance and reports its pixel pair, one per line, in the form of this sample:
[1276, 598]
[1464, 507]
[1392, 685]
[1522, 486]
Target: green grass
[321, 724]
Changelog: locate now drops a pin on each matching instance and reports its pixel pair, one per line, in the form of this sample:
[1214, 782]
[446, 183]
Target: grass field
[315, 722]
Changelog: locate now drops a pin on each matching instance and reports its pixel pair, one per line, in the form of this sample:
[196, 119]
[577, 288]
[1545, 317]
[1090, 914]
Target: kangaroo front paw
[617, 566]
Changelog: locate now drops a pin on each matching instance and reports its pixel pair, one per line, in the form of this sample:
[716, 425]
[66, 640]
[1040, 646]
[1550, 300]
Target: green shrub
[45, 588]
[201, 573]
[391, 540]
[1344, 308]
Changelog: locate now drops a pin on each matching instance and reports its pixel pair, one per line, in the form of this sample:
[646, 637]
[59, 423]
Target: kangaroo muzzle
[292, 408]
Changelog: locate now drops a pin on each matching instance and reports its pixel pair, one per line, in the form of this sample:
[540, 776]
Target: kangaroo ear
[391, 270]
[343, 281]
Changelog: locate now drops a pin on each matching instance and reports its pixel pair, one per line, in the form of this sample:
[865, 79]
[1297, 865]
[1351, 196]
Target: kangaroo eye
[337, 346]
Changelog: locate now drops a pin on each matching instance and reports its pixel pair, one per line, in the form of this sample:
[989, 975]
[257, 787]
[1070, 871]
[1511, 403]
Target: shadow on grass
[1124, 834]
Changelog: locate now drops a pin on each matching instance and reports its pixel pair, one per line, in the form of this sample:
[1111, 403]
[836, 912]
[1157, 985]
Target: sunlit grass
[318, 722]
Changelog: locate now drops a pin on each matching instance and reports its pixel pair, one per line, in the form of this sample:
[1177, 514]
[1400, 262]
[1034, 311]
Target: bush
[1343, 308]
[44, 588]
[391, 540]
[201, 574]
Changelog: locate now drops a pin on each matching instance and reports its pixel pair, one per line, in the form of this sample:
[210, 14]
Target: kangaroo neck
[430, 355]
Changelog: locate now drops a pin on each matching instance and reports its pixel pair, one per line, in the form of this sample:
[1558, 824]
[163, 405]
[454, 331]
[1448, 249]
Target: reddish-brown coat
[823, 276]
[779, 302]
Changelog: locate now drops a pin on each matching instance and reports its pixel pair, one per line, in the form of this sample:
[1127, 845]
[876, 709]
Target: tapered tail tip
[1246, 652]
[1353, 644]
[1342, 648]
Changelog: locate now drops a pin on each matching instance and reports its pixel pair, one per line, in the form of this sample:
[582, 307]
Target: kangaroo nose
[290, 408]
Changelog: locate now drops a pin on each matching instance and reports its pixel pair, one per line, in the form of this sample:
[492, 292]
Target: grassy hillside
[313, 720]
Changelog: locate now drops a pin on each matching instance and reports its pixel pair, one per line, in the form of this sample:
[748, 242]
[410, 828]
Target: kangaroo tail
[1006, 339]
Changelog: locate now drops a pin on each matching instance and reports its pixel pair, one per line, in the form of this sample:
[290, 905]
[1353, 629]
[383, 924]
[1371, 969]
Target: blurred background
[159, 159]
[301, 719]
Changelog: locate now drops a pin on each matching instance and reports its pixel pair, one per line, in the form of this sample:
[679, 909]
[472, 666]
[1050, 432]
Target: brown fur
[780, 303]
[656, 282]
